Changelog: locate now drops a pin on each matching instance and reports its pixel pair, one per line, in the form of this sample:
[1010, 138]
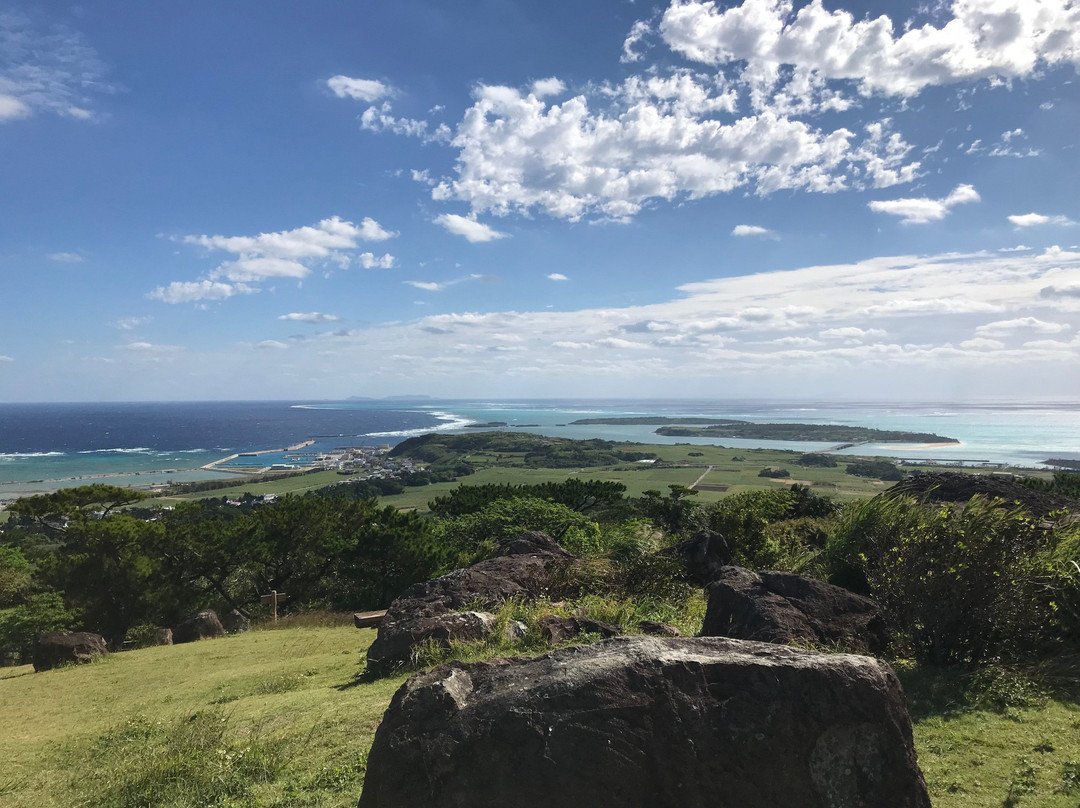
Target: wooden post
[272, 600]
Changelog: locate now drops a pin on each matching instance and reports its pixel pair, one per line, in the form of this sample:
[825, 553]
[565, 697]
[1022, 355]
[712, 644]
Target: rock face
[782, 607]
[555, 629]
[658, 629]
[642, 722]
[55, 648]
[425, 611]
[703, 555]
[202, 626]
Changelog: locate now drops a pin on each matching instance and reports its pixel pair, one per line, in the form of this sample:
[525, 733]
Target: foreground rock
[203, 626]
[782, 607]
[235, 623]
[641, 722]
[56, 648]
[430, 611]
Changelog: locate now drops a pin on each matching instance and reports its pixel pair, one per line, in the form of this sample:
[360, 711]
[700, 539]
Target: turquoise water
[1013, 433]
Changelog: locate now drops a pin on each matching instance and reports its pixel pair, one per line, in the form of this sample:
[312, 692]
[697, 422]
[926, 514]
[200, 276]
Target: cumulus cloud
[66, 257]
[1069, 291]
[851, 332]
[54, 71]
[1001, 328]
[382, 119]
[473, 231]
[752, 230]
[1006, 39]
[923, 210]
[309, 317]
[551, 86]
[282, 254]
[556, 276]
[1033, 219]
[655, 139]
[638, 31]
[359, 89]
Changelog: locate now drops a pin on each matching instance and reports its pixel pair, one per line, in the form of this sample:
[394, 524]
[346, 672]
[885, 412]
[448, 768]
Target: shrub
[965, 583]
[816, 460]
[774, 473]
[876, 469]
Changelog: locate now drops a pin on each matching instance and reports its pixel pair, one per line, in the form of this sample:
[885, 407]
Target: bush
[817, 460]
[875, 469]
[967, 583]
[778, 474]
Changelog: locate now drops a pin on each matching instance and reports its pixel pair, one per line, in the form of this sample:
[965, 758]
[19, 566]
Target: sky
[539, 198]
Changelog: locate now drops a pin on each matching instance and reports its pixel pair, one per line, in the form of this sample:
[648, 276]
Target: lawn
[276, 718]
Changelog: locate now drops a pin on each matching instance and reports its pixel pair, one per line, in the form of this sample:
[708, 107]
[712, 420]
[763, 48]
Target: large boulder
[642, 722]
[202, 626]
[55, 648]
[525, 567]
[235, 622]
[701, 556]
[782, 607]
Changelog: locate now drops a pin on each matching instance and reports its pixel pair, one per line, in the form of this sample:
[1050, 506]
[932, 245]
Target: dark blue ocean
[45, 446]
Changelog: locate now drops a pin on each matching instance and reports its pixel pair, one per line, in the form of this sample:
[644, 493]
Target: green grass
[276, 718]
[273, 715]
[289, 485]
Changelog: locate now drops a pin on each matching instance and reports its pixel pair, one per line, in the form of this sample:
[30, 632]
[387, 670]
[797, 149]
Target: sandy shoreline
[921, 446]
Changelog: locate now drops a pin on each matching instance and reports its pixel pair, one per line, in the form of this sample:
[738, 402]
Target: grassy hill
[275, 718]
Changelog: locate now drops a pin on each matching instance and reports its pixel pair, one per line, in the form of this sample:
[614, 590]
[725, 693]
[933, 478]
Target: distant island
[645, 420]
[836, 433]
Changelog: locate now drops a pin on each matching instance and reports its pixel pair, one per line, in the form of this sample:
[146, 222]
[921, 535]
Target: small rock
[202, 626]
[555, 629]
[235, 623]
[657, 629]
[516, 630]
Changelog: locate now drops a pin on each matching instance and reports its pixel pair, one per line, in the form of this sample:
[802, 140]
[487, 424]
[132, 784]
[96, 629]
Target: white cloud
[752, 230]
[371, 261]
[1033, 219]
[982, 344]
[194, 291]
[1003, 328]
[472, 230]
[6, 359]
[66, 257]
[359, 89]
[545, 87]
[309, 317]
[1005, 39]
[923, 210]
[149, 347]
[654, 140]
[282, 254]
[271, 344]
[1068, 291]
[131, 323]
[382, 119]
[433, 286]
[556, 276]
[851, 332]
[638, 31]
[54, 71]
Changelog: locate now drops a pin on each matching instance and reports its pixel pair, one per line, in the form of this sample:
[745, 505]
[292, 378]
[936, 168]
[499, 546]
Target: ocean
[48, 446]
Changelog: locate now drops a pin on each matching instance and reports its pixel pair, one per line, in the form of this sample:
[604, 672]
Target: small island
[826, 433]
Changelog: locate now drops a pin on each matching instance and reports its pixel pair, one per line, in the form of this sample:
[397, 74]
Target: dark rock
[783, 607]
[525, 568]
[55, 648]
[163, 636]
[555, 629]
[368, 619]
[202, 626]
[954, 486]
[642, 722]
[235, 623]
[658, 629]
[605, 630]
[703, 555]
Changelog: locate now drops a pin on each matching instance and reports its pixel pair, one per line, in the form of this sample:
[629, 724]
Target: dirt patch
[705, 487]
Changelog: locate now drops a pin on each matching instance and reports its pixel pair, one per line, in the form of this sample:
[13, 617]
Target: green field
[679, 467]
[141, 728]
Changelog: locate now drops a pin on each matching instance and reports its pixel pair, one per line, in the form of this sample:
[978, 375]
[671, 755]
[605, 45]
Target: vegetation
[520, 448]
[877, 469]
[816, 460]
[982, 599]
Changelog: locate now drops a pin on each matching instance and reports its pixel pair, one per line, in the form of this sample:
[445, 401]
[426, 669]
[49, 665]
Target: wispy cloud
[923, 210]
[753, 230]
[438, 286]
[359, 89]
[1035, 219]
[309, 317]
[66, 257]
[556, 276]
[53, 70]
[473, 231]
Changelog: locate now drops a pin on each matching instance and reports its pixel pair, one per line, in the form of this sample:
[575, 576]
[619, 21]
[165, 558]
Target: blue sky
[268, 200]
